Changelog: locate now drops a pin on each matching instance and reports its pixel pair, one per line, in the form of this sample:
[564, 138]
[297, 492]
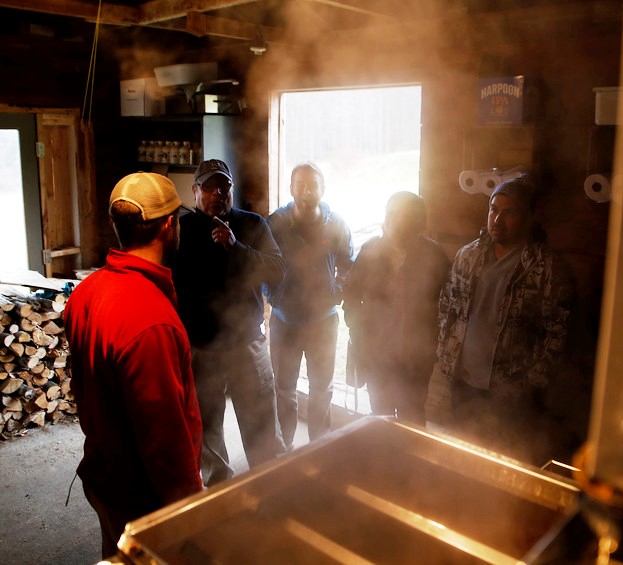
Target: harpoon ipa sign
[501, 100]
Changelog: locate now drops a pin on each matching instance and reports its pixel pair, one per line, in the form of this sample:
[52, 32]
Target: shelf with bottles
[182, 153]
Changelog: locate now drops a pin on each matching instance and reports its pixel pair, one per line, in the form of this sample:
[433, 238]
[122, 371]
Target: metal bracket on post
[47, 256]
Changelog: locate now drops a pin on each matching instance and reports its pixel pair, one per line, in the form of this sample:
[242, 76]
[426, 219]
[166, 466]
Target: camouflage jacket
[532, 320]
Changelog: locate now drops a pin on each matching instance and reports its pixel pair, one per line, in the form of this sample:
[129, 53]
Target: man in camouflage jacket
[503, 318]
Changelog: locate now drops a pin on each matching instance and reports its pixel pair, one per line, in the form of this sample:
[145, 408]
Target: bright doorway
[367, 143]
[19, 194]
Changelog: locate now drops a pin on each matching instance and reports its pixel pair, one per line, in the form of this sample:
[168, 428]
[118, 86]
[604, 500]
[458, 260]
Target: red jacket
[134, 386]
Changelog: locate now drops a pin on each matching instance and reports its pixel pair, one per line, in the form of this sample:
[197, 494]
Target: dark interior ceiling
[266, 20]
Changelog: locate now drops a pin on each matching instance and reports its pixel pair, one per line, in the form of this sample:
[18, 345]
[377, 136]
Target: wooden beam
[162, 10]
[202, 25]
[353, 8]
[110, 14]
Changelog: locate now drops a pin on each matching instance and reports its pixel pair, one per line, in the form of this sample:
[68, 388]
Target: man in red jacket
[131, 366]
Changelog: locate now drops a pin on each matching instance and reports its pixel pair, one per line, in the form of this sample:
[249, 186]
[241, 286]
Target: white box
[141, 97]
[187, 73]
[606, 103]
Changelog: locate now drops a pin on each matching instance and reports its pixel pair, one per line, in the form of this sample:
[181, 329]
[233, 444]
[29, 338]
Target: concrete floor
[36, 470]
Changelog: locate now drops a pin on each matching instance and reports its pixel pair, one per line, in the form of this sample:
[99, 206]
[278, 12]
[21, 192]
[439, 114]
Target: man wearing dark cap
[504, 317]
[225, 256]
[131, 366]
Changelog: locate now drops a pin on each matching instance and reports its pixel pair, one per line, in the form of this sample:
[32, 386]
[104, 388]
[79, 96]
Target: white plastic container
[187, 73]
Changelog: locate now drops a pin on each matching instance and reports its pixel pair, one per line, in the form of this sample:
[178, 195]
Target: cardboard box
[141, 97]
[501, 100]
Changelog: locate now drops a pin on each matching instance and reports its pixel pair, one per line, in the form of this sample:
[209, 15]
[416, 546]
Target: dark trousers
[246, 374]
[288, 342]
[396, 389]
[516, 426]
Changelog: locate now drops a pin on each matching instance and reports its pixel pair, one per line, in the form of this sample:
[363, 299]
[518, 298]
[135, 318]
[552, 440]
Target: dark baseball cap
[207, 169]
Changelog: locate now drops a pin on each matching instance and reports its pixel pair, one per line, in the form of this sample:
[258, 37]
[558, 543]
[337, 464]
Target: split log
[17, 348]
[22, 336]
[6, 305]
[26, 376]
[35, 318]
[51, 328]
[53, 342]
[9, 367]
[11, 404]
[11, 425]
[37, 418]
[53, 392]
[60, 362]
[60, 300]
[23, 309]
[40, 353]
[66, 388]
[51, 315]
[39, 380]
[32, 361]
[7, 357]
[39, 337]
[6, 339]
[26, 325]
[41, 400]
[10, 385]
[67, 407]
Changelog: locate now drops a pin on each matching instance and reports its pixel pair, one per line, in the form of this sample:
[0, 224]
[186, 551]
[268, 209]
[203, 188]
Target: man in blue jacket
[318, 251]
[225, 256]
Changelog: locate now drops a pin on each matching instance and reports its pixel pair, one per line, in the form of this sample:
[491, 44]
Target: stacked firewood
[34, 362]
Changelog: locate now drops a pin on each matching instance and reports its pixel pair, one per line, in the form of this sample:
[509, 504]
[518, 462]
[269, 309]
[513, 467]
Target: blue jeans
[245, 373]
[288, 342]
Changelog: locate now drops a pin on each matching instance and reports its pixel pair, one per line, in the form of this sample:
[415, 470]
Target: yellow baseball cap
[154, 194]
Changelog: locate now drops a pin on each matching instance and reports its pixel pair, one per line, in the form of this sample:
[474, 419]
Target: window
[365, 140]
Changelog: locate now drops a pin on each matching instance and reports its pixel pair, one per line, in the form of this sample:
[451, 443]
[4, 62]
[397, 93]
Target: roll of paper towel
[488, 182]
[597, 187]
[469, 181]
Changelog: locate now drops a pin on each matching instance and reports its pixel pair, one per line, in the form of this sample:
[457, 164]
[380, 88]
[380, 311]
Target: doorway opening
[366, 141]
[19, 194]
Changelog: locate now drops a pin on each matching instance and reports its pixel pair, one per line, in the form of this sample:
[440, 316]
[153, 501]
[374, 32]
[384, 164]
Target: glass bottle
[142, 151]
[184, 153]
[166, 152]
[174, 153]
[150, 154]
